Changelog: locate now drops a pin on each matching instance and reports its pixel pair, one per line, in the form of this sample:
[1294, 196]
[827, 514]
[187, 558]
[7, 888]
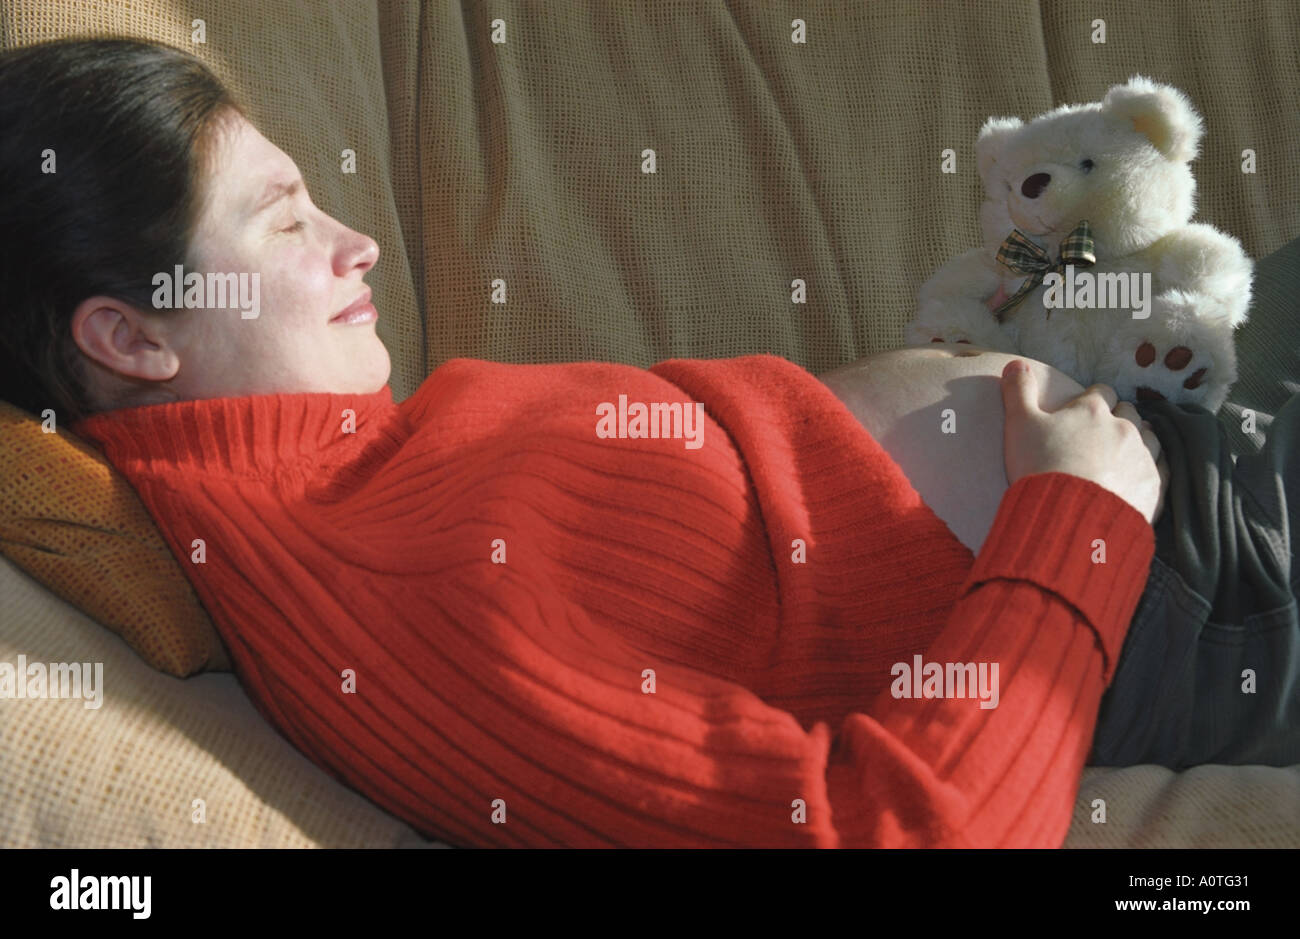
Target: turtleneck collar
[251, 435]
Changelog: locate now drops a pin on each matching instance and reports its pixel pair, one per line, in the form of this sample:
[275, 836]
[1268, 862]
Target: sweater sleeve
[618, 749]
[1052, 609]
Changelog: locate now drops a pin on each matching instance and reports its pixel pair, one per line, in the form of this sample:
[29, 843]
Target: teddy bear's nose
[1034, 185]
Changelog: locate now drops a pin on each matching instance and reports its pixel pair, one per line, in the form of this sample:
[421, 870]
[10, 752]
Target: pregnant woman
[830, 623]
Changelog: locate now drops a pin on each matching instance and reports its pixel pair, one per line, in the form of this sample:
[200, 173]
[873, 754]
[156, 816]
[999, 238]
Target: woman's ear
[120, 338]
[989, 146]
[1161, 113]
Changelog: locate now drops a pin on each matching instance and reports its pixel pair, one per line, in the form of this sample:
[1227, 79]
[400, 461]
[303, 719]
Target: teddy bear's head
[1121, 163]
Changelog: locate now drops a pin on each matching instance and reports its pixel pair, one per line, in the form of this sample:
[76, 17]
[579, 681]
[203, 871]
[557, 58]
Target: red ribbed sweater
[683, 647]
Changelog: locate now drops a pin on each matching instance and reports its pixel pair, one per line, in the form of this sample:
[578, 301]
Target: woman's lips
[365, 313]
[360, 310]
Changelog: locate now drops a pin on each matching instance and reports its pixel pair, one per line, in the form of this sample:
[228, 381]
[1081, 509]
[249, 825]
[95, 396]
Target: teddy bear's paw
[920, 335]
[1177, 367]
[1182, 363]
[1178, 370]
[969, 324]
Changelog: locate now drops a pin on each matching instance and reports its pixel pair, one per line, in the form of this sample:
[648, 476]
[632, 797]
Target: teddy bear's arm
[951, 305]
[1200, 260]
[1183, 349]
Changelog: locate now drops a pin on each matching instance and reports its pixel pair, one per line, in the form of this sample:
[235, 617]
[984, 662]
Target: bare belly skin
[901, 397]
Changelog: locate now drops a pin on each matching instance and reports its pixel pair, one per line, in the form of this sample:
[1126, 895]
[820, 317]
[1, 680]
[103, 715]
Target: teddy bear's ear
[993, 137]
[1161, 113]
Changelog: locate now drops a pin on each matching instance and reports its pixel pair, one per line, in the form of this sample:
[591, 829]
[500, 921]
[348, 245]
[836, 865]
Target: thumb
[1019, 389]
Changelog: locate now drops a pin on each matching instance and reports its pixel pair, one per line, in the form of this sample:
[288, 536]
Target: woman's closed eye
[297, 226]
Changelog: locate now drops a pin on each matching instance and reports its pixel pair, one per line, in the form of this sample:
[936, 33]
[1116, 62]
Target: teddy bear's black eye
[1086, 165]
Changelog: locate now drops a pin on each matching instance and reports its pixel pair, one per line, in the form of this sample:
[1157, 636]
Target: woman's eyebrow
[272, 194]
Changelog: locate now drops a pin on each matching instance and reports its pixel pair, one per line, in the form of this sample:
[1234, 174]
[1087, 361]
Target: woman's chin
[371, 369]
[385, 372]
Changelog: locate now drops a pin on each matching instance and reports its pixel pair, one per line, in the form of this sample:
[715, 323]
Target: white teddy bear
[1091, 262]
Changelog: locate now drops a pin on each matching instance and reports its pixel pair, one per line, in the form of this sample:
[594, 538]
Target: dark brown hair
[130, 124]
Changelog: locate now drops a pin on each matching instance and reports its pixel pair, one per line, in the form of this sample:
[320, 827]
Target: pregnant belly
[938, 412]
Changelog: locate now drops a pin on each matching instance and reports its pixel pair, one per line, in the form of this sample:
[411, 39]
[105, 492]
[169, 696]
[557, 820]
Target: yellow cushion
[73, 523]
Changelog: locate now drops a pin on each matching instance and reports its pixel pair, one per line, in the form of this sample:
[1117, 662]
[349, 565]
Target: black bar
[335, 888]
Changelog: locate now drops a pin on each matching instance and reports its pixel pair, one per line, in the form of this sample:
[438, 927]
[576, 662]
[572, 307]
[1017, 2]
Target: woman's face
[257, 218]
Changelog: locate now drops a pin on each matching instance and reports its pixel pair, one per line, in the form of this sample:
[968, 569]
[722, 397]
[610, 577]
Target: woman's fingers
[1107, 393]
[1126, 410]
[1129, 413]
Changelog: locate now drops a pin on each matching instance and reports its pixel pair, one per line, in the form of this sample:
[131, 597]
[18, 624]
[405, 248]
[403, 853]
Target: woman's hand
[1090, 436]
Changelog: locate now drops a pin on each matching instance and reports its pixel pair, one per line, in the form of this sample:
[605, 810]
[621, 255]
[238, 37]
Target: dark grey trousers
[1210, 669]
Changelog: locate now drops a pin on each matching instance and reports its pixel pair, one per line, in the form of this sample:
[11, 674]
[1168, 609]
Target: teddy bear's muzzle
[1033, 187]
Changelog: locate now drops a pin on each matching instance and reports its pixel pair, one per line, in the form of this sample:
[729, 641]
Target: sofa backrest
[777, 160]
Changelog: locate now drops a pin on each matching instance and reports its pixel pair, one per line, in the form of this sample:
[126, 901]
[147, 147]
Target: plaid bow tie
[1024, 257]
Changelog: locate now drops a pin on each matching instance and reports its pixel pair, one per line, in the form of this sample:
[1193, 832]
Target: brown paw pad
[1177, 358]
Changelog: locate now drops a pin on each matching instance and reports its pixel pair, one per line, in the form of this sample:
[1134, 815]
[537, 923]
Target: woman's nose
[370, 253]
[1034, 185]
[358, 251]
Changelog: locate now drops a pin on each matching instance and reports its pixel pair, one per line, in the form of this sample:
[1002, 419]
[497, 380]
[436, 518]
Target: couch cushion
[125, 774]
[1201, 807]
[777, 160]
